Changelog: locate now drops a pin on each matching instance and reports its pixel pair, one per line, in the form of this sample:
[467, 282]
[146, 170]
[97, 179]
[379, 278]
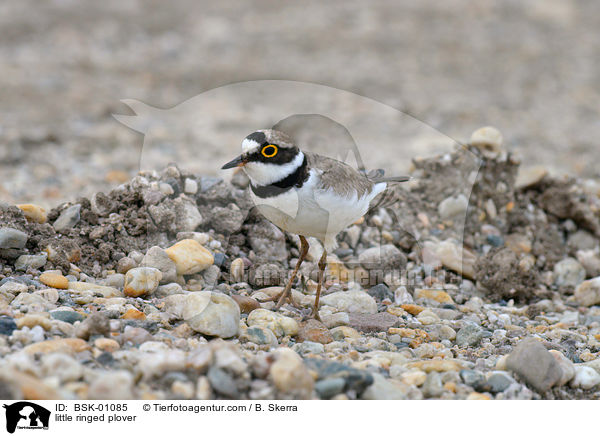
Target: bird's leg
[322, 265]
[286, 293]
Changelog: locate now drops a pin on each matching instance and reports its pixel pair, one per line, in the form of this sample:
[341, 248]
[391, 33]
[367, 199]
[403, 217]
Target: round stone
[190, 257]
[54, 280]
[141, 281]
[212, 314]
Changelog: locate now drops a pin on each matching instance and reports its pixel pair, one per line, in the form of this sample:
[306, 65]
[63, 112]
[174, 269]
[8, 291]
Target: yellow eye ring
[269, 150]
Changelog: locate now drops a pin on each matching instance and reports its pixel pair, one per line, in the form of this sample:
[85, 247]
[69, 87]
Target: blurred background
[529, 68]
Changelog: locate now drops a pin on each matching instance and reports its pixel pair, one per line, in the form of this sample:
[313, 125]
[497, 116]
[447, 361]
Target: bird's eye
[269, 150]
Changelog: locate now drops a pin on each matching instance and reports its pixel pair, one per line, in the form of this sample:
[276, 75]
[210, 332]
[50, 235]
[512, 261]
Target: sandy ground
[530, 69]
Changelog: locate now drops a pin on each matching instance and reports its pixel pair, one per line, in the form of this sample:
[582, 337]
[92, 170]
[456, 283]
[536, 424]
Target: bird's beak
[239, 161]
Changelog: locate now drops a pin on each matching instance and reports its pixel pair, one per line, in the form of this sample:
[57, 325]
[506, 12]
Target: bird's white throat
[262, 174]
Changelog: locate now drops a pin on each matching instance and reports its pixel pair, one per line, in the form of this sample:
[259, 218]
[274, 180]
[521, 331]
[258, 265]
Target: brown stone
[247, 304]
[315, 331]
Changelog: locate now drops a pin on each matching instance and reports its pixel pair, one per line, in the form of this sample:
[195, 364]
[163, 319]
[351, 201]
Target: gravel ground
[157, 290]
[481, 282]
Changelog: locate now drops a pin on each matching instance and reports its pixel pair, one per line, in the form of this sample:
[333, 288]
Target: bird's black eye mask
[273, 154]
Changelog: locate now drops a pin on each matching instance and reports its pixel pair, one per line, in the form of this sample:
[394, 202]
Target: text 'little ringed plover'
[306, 194]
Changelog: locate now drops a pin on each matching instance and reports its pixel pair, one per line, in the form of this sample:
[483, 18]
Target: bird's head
[267, 157]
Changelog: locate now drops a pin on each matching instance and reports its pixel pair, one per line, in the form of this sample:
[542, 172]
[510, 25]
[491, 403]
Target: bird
[307, 194]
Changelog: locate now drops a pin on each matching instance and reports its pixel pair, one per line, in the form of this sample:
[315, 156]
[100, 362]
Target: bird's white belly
[312, 212]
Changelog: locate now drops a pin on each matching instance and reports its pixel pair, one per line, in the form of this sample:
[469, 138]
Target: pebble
[588, 292]
[414, 377]
[26, 261]
[435, 295]
[445, 365]
[341, 332]
[189, 256]
[585, 378]
[247, 304]
[469, 336]
[568, 272]
[104, 291]
[190, 186]
[453, 207]
[141, 281]
[279, 324]
[157, 258]
[385, 257]
[308, 347]
[330, 387]
[69, 316]
[427, 317]
[590, 261]
[381, 292]
[370, 323]
[34, 213]
[259, 335]
[64, 345]
[134, 314]
[566, 365]
[63, 366]
[68, 218]
[236, 270]
[488, 139]
[125, 264]
[107, 344]
[351, 301]
[530, 176]
[289, 374]
[7, 325]
[12, 238]
[314, 331]
[498, 382]
[54, 280]
[94, 324]
[432, 388]
[532, 362]
[385, 389]
[222, 382]
[456, 259]
[114, 385]
[212, 313]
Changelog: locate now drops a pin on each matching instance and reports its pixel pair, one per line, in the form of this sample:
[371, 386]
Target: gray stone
[12, 238]
[498, 382]
[212, 313]
[307, 347]
[384, 389]
[432, 387]
[534, 364]
[469, 335]
[259, 335]
[222, 383]
[588, 292]
[268, 242]
[473, 378]
[69, 316]
[568, 272]
[385, 257]
[68, 218]
[330, 387]
[157, 257]
[453, 207]
[35, 261]
[369, 323]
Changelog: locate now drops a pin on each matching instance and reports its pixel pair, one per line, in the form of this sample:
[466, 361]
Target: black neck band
[296, 179]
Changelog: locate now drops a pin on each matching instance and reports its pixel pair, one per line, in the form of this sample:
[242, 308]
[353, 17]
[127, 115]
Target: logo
[26, 415]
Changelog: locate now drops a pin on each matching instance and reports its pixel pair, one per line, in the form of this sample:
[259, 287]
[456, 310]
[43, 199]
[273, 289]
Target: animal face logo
[202, 133]
[26, 415]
